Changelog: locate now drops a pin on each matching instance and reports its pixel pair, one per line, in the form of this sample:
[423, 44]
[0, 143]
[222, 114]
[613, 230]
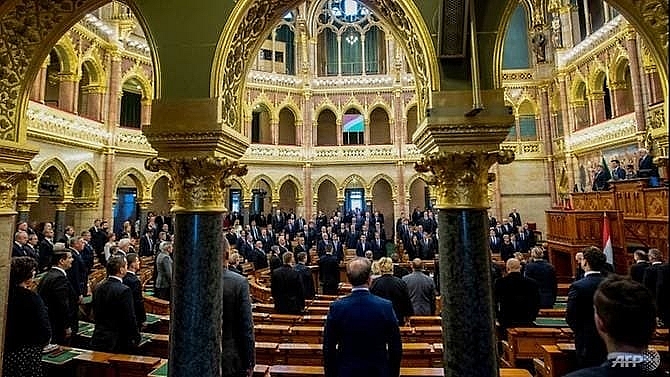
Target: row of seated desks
[80, 362]
[559, 359]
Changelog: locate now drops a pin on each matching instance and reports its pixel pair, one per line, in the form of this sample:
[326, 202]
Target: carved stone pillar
[339, 137]
[274, 131]
[655, 89]
[145, 207]
[597, 107]
[23, 209]
[9, 180]
[246, 207]
[67, 92]
[546, 133]
[145, 115]
[37, 91]
[636, 82]
[108, 189]
[59, 220]
[459, 151]
[196, 306]
[94, 104]
[308, 194]
[619, 95]
[114, 92]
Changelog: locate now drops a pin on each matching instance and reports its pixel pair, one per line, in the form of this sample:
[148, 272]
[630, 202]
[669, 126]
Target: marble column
[9, 180]
[339, 137]
[196, 306]
[66, 94]
[459, 151]
[142, 215]
[145, 117]
[37, 91]
[597, 106]
[59, 220]
[108, 189]
[115, 93]
[635, 80]
[94, 104]
[308, 194]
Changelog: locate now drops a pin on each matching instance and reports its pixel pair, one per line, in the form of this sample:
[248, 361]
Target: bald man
[517, 298]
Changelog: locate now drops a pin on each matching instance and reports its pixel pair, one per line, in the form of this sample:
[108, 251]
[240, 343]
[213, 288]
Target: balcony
[614, 131]
[54, 125]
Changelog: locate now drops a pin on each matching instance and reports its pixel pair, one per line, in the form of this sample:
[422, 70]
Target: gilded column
[548, 141]
[195, 312]
[66, 94]
[246, 207]
[9, 180]
[145, 117]
[634, 61]
[308, 197]
[459, 151]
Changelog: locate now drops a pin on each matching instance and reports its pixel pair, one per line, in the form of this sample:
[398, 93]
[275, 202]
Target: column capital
[198, 182]
[461, 178]
[9, 180]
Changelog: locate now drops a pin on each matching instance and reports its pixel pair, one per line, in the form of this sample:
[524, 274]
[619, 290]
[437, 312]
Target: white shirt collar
[131, 272]
[591, 273]
[115, 277]
[59, 269]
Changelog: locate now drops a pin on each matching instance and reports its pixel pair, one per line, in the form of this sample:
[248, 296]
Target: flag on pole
[607, 240]
[606, 169]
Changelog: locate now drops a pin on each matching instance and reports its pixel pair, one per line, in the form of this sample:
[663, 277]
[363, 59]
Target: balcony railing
[132, 140]
[48, 123]
[611, 131]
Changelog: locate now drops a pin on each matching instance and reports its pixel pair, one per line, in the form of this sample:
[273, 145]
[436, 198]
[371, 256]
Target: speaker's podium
[638, 216]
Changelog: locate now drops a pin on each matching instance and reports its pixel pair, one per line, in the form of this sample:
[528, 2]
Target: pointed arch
[266, 178]
[67, 56]
[90, 170]
[154, 179]
[422, 176]
[137, 74]
[56, 163]
[298, 185]
[597, 80]
[525, 105]
[246, 190]
[138, 178]
[323, 178]
[95, 71]
[578, 89]
[351, 178]
[290, 105]
[327, 105]
[379, 104]
[383, 177]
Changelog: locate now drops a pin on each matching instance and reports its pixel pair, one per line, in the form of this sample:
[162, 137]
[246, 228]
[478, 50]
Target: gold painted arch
[320, 181]
[351, 178]
[251, 20]
[138, 178]
[383, 177]
[155, 178]
[292, 107]
[67, 56]
[619, 67]
[414, 178]
[263, 177]
[59, 165]
[246, 191]
[90, 170]
[145, 83]
[298, 185]
[95, 71]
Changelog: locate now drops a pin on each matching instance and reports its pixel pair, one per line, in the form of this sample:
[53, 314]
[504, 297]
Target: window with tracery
[350, 40]
[277, 54]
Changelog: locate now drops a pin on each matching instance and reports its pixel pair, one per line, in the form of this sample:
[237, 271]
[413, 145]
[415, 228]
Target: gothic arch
[90, 170]
[576, 89]
[414, 178]
[298, 185]
[618, 68]
[267, 179]
[145, 83]
[349, 179]
[292, 107]
[533, 105]
[95, 71]
[383, 177]
[596, 81]
[246, 191]
[59, 165]
[138, 178]
[154, 179]
[322, 179]
[67, 55]
[381, 105]
[327, 105]
[246, 28]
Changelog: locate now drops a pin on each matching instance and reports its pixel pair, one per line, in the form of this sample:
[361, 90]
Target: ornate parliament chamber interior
[217, 118]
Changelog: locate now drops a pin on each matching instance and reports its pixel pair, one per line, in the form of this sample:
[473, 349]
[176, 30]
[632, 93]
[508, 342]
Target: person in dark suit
[361, 334]
[618, 172]
[507, 249]
[517, 298]
[46, 249]
[544, 275]
[413, 248]
[133, 282]
[27, 322]
[579, 271]
[287, 290]
[516, 218]
[115, 324]
[60, 298]
[646, 167]
[238, 356]
[428, 247]
[19, 245]
[87, 251]
[77, 273]
[147, 243]
[663, 294]
[625, 320]
[394, 289]
[639, 266]
[600, 180]
[651, 274]
[329, 272]
[305, 276]
[590, 348]
[338, 247]
[362, 246]
[257, 256]
[378, 246]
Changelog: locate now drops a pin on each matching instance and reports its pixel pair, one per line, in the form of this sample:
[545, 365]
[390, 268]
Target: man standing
[46, 249]
[638, 268]
[287, 288]
[516, 218]
[147, 244]
[164, 271]
[544, 275]
[361, 334]
[517, 299]
[19, 246]
[421, 289]
[237, 331]
[60, 297]
[133, 282]
[305, 276]
[617, 171]
[329, 272]
[77, 273]
[115, 324]
[651, 274]
[590, 348]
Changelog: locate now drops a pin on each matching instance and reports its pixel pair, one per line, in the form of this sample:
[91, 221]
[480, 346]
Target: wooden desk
[301, 353]
[525, 342]
[306, 371]
[307, 334]
[272, 333]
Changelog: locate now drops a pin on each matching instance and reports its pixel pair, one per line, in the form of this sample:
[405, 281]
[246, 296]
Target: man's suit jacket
[517, 300]
[287, 291]
[133, 282]
[306, 280]
[544, 275]
[378, 248]
[338, 250]
[146, 246]
[651, 277]
[237, 330]
[115, 324]
[421, 293]
[77, 273]
[637, 271]
[395, 289]
[329, 274]
[18, 250]
[46, 248]
[361, 249]
[618, 173]
[590, 347]
[647, 168]
[516, 218]
[361, 337]
[62, 303]
[663, 294]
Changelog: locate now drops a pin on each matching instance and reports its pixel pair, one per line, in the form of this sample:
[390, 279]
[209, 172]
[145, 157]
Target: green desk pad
[560, 305]
[550, 322]
[87, 300]
[85, 329]
[161, 371]
[562, 299]
[152, 319]
[59, 359]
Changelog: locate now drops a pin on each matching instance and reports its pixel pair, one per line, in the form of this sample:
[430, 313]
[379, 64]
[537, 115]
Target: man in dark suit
[238, 355]
[338, 248]
[115, 324]
[60, 298]
[663, 294]
[287, 291]
[617, 171]
[133, 282]
[19, 246]
[639, 266]
[361, 334]
[516, 218]
[31, 247]
[517, 299]
[590, 348]
[329, 272]
[646, 167]
[305, 276]
[494, 241]
[378, 247]
[544, 274]
[600, 180]
[77, 274]
[651, 274]
[46, 249]
[147, 243]
[625, 319]
[362, 246]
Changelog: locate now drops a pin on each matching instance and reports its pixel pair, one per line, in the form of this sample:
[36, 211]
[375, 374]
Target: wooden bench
[307, 334]
[525, 342]
[306, 371]
[272, 333]
[425, 321]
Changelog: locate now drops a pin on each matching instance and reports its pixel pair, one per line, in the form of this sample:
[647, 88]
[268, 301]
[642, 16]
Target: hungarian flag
[607, 240]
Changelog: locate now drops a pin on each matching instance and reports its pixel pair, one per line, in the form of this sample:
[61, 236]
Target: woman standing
[28, 329]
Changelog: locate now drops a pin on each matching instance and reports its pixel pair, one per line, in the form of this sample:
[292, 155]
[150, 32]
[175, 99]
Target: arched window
[527, 124]
[350, 40]
[607, 98]
[380, 130]
[580, 106]
[261, 125]
[52, 90]
[131, 104]
[412, 122]
[326, 129]
[353, 128]
[287, 129]
[515, 48]
[277, 54]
